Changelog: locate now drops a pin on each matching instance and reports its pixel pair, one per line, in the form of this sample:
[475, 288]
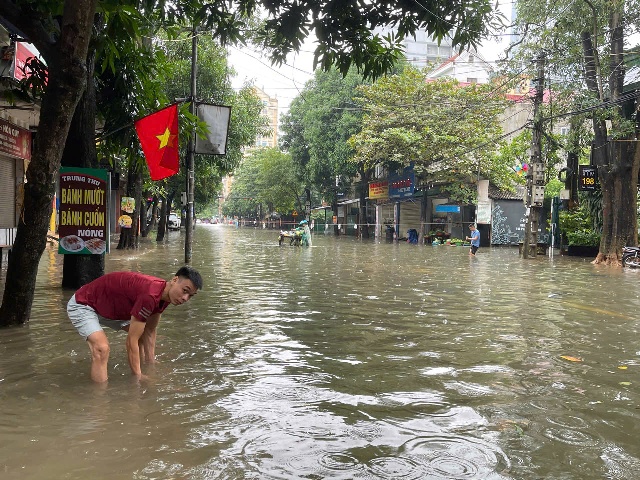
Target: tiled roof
[497, 194]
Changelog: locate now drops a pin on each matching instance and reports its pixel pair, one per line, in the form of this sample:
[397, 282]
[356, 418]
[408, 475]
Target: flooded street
[346, 360]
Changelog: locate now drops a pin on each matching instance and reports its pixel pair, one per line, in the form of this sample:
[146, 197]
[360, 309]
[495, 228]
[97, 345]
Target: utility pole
[534, 196]
[190, 184]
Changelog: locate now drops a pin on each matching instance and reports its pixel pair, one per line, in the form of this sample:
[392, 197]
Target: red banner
[158, 134]
[24, 51]
[15, 141]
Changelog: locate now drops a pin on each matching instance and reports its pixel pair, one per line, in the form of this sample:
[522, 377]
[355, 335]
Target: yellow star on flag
[166, 139]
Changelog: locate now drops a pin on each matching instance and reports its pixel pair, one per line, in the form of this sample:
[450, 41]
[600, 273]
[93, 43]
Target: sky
[286, 81]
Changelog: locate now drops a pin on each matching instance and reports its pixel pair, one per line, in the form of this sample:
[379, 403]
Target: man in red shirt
[127, 301]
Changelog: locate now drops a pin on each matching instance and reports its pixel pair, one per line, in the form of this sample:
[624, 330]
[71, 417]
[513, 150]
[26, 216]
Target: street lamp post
[217, 119]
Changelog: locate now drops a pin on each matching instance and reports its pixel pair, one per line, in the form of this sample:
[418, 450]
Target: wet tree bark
[617, 161]
[164, 213]
[66, 60]
[148, 226]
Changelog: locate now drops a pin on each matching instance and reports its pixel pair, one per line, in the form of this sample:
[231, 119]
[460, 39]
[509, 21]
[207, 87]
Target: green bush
[578, 226]
[585, 238]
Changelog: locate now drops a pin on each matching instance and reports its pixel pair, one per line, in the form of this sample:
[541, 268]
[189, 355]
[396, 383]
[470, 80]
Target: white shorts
[87, 321]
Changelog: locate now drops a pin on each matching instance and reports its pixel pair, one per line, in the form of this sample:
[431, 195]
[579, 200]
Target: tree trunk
[334, 207]
[148, 226]
[80, 151]
[619, 198]
[66, 82]
[162, 224]
[617, 161]
[164, 213]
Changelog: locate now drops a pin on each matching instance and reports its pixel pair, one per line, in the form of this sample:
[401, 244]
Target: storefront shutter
[409, 217]
[8, 189]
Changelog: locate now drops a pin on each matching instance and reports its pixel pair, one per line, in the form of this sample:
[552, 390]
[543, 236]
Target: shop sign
[379, 189]
[401, 185]
[83, 224]
[483, 213]
[447, 208]
[14, 141]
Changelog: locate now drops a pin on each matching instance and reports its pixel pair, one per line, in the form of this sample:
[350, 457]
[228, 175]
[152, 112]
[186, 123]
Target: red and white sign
[24, 51]
[14, 141]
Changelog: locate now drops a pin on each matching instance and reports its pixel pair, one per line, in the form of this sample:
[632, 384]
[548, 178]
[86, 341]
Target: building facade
[270, 112]
[18, 120]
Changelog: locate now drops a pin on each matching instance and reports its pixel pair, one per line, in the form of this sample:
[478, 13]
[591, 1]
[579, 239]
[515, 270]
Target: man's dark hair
[192, 274]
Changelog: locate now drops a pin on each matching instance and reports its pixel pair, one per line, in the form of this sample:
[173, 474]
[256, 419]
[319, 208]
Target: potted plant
[583, 243]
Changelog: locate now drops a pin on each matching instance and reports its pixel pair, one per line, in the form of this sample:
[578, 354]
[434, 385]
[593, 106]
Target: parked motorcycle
[631, 257]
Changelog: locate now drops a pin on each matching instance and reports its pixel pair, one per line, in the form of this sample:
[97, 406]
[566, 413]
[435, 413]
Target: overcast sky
[286, 81]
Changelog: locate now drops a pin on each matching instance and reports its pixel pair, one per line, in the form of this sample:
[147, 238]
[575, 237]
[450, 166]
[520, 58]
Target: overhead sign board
[379, 189]
[447, 208]
[402, 184]
[15, 141]
[587, 178]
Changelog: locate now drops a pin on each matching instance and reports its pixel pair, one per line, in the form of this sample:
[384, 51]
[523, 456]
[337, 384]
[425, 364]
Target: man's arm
[136, 329]
[147, 341]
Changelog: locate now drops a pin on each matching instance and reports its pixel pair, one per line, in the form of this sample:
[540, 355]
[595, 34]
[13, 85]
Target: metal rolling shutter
[7, 192]
[409, 217]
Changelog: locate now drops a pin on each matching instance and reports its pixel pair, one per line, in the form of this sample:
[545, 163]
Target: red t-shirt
[120, 295]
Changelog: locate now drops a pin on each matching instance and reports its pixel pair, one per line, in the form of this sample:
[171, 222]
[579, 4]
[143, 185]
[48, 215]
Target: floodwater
[346, 360]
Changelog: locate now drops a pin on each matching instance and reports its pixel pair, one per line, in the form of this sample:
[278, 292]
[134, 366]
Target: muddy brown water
[346, 360]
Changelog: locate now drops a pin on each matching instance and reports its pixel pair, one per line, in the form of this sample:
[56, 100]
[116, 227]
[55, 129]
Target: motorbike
[295, 237]
[631, 257]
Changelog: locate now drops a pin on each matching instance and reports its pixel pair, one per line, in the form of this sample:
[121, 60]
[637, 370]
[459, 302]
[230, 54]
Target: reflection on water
[343, 360]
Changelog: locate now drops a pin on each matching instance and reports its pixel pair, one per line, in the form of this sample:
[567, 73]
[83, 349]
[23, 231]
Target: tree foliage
[319, 123]
[266, 180]
[446, 130]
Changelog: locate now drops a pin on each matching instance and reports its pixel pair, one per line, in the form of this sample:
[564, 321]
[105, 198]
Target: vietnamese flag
[158, 134]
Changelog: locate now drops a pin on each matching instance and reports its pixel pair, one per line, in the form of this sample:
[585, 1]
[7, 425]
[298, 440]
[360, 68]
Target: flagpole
[191, 152]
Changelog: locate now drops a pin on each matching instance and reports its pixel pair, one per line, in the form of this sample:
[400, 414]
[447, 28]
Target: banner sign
[83, 224]
[217, 118]
[483, 213]
[15, 141]
[24, 51]
[127, 205]
[402, 185]
[447, 208]
[379, 189]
